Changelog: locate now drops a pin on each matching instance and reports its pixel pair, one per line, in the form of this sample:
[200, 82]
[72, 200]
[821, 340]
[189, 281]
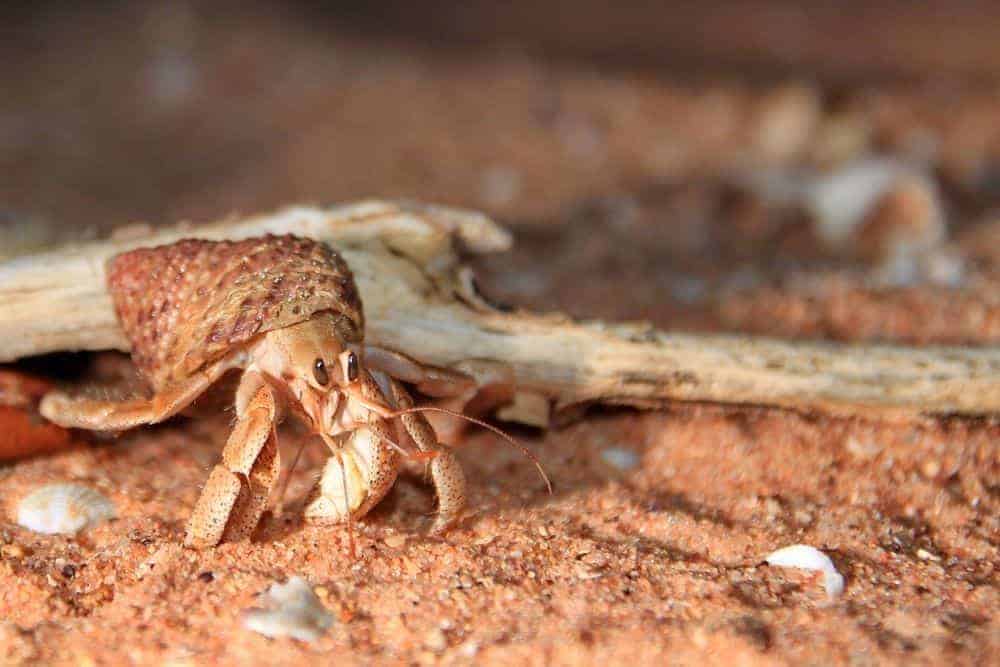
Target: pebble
[436, 640]
[500, 186]
[930, 469]
[862, 450]
[803, 518]
[620, 458]
[923, 554]
[395, 541]
[13, 551]
[63, 509]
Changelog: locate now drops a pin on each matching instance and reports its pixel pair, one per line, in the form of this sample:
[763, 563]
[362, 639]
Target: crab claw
[354, 479]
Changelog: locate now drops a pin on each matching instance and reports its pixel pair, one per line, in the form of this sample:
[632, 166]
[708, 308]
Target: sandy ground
[660, 562]
[619, 188]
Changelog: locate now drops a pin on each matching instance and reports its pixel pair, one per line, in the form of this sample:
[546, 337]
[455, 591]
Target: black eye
[352, 367]
[319, 372]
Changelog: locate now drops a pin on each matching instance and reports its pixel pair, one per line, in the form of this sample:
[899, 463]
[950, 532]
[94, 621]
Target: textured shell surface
[63, 509]
[187, 304]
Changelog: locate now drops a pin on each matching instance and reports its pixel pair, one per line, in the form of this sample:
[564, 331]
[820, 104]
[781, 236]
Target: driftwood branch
[421, 302]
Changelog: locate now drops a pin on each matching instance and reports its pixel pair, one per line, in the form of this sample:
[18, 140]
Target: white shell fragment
[805, 557]
[63, 509]
[293, 610]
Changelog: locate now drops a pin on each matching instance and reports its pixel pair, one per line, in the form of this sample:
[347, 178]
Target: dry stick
[418, 301]
[56, 300]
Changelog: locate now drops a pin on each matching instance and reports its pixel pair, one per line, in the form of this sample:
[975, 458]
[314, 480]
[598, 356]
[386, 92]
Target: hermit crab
[284, 313]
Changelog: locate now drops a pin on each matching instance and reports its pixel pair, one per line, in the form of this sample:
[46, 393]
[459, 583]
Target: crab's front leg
[107, 415]
[236, 493]
[446, 471]
[474, 387]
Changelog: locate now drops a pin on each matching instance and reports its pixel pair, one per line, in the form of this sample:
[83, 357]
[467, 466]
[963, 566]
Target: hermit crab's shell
[187, 304]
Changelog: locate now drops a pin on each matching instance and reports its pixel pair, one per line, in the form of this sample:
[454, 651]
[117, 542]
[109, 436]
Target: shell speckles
[63, 509]
[186, 304]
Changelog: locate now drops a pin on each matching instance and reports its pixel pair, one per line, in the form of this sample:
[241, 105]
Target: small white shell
[294, 611]
[63, 509]
[806, 557]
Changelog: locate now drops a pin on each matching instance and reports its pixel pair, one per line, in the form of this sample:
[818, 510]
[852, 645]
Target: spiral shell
[63, 509]
[187, 304]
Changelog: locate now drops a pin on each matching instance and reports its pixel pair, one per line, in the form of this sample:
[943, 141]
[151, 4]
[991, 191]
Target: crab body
[283, 312]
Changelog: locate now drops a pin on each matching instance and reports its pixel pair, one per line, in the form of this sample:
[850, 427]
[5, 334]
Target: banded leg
[236, 493]
[446, 471]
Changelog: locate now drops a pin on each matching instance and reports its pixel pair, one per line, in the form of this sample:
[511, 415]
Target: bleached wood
[56, 300]
[418, 300]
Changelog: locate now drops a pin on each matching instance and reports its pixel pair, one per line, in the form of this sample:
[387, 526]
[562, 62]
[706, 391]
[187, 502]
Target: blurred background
[794, 168]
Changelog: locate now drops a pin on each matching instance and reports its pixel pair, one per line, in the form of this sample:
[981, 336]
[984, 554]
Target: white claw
[354, 478]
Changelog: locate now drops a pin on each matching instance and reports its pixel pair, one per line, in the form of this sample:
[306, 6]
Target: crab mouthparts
[329, 440]
[381, 410]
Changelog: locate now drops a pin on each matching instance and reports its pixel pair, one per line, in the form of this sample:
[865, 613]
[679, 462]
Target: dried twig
[420, 301]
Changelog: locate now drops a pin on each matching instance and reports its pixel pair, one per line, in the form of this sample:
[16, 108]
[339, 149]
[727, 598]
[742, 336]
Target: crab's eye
[351, 367]
[319, 372]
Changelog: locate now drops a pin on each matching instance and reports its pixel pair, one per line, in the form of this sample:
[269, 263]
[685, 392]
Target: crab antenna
[288, 477]
[489, 427]
[347, 506]
[409, 453]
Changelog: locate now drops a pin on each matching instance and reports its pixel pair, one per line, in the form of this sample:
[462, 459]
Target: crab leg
[474, 387]
[236, 493]
[446, 472]
[106, 415]
[429, 380]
